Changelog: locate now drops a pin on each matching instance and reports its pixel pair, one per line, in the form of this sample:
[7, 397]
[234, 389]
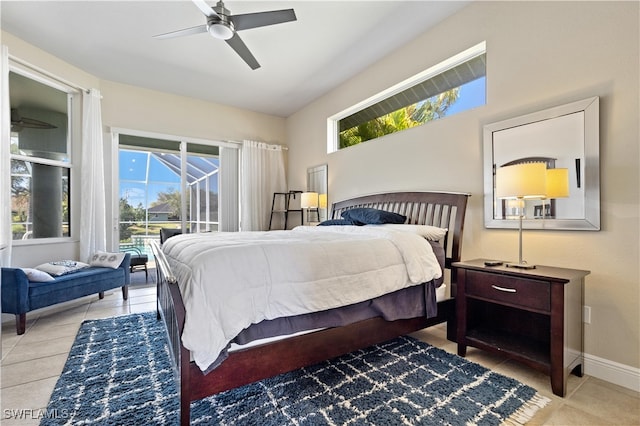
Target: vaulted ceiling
[330, 42]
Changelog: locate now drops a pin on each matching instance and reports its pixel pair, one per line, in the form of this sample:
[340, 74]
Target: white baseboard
[613, 372]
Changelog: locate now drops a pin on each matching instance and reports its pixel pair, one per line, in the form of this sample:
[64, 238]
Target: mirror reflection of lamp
[322, 201]
[557, 187]
[521, 182]
[309, 201]
[512, 208]
[322, 210]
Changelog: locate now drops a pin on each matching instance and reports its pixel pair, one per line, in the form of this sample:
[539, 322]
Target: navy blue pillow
[332, 222]
[370, 216]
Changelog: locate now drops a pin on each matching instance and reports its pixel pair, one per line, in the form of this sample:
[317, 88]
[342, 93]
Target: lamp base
[521, 265]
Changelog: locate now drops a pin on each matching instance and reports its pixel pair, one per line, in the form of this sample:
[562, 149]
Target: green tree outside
[129, 216]
[173, 199]
[401, 119]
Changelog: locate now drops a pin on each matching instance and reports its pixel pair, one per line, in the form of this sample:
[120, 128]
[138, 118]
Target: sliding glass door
[172, 184]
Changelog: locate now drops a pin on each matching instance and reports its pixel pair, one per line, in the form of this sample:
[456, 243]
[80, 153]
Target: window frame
[333, 122]
[184, 141]
[73, 136]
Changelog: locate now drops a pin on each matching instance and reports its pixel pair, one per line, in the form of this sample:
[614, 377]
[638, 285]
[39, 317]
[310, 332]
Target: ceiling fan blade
[205, 8]
[31, 123]
[187, 31]
[18, 123]
[241, 49]
[261, 19]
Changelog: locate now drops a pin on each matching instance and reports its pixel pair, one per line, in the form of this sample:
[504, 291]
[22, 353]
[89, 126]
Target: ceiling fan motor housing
[220, 27]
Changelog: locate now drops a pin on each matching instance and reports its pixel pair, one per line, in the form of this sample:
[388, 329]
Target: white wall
[539, 55]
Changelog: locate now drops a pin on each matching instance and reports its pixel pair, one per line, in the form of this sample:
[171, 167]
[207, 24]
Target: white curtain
[5, 168]
[228, 197]
[262, 175]
[93, 230]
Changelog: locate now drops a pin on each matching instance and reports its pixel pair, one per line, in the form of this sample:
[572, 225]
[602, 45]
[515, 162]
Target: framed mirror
[568, 137]
[317, 182]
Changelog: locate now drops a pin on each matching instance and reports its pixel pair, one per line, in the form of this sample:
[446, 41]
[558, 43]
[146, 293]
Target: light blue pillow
[107, 260]
[61, 267]
[37, 276]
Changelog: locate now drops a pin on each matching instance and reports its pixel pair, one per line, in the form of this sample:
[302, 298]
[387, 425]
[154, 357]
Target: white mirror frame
[590, 174]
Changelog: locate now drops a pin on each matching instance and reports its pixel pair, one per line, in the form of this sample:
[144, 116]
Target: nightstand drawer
[532, 294]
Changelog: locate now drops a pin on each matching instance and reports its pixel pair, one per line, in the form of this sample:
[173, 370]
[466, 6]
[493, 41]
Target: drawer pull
[506, 290]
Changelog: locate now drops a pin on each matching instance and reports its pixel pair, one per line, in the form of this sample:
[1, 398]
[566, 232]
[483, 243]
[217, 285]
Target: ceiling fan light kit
[221, 31]
[224, 26]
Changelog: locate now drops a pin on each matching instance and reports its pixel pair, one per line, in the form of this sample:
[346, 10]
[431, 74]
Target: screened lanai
[151, 195]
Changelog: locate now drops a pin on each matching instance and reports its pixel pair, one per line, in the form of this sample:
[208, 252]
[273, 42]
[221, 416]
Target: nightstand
[533, 316]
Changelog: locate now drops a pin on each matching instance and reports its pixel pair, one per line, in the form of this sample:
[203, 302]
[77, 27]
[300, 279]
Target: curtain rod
[267, 145]
[47, 73]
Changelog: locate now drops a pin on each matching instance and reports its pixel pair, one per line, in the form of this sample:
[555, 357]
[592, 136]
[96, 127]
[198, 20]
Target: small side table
[534, 316]
[286, 202]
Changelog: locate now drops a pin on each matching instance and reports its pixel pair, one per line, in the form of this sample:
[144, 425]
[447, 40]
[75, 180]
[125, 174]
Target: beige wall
[539, 55]
[136, 108]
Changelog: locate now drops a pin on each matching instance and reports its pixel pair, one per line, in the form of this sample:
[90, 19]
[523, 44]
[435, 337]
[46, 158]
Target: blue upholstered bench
[19, 295]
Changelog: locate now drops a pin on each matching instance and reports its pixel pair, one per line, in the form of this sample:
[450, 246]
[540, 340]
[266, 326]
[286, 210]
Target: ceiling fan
[18, 123]
[222, 25]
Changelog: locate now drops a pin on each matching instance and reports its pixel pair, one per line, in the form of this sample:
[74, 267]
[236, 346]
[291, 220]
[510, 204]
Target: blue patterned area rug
[118, 373]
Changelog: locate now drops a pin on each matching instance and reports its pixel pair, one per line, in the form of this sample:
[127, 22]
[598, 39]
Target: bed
[249, 363]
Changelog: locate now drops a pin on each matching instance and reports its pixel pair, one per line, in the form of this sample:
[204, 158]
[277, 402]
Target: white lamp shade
[557, 183]
[526, 180]
[309, 200]
[322, 201]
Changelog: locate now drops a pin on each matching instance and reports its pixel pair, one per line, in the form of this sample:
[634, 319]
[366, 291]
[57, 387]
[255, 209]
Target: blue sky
[472, 94]
[134, 166]
[133, 171]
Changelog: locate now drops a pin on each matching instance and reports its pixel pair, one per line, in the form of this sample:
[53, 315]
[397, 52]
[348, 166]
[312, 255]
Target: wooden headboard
[441, 209]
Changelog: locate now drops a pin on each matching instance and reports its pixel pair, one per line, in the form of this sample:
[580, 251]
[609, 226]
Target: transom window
[454, 85]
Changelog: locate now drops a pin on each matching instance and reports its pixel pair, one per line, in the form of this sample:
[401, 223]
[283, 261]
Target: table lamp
[309, 200]
[521, 182]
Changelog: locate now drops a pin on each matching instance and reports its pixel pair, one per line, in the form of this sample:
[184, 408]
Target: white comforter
[231, 280]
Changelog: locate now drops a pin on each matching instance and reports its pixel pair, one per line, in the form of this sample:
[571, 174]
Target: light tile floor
[589, 401]
[31, 364]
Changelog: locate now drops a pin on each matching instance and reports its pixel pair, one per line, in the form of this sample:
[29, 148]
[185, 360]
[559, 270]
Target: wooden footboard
[172, 312]
[290, 354]
[260, 362]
